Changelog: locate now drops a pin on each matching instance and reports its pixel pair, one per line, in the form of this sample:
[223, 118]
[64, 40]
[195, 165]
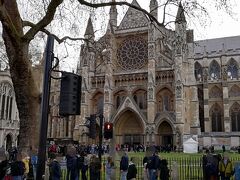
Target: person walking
[95, 168]
[153, 166]
[109, 168]
[25, 160]
[72, 170]
[17, 168]
[164, 171]
[3, 165]
[132, 170]
[124, 166]
[54, 168]
[226, 168]
[83, 165]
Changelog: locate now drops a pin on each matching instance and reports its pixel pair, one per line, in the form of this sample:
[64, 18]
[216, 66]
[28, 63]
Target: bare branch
[97, 5]
[47, 19]
[59, 40]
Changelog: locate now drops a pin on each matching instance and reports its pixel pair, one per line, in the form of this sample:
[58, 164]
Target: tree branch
[47, 19]
[59, 40]
[97, 5]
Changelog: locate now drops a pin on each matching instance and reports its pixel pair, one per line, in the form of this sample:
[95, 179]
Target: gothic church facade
[159, 86]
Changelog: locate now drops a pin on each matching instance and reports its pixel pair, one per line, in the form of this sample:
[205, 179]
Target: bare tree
[19, 29]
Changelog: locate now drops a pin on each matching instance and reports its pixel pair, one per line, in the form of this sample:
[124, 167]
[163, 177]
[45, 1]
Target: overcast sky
[220, 24]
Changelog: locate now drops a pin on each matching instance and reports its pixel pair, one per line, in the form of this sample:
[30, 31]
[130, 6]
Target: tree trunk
[27, 96]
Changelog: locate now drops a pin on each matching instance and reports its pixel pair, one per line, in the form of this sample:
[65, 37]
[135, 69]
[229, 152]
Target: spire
[154, 8]
[89, 29]
[180, 18]
[113, 16]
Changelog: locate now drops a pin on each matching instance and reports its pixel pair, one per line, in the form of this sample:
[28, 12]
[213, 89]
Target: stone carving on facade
[205, 74]
[106, 96]
[151, 51]
[178, 89]
[178, 137]
[127, 104]
[83, 97]
[150, 93]
[224, 73]
[151, 33]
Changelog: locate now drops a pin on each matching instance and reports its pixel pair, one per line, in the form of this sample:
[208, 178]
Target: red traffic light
[108, 130]
[108, 126]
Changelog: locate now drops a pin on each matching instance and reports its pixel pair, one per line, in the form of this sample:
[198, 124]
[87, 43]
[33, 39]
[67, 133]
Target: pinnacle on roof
[89, 29]
[180, 18]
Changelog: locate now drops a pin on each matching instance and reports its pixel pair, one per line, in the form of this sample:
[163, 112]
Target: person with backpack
[72, 169]
[82, 165]
[95, 168]
[124, 166]
[3, 165]
[226, 168]
[164, 170]
[132, 171]
[153, 165]
[54, 168]
[17, 168]
[210, 164]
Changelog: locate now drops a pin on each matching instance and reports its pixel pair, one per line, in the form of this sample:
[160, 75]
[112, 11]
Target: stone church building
[159, 86]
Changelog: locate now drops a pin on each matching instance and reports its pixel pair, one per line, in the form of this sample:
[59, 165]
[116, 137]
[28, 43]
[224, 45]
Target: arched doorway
[165, 134]
[8, 141]
[129, 129]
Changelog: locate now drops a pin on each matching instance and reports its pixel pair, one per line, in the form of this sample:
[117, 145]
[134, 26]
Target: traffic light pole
[45, 108]
[100, 140]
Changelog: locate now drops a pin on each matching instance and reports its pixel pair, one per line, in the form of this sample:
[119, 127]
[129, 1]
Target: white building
[9, 118]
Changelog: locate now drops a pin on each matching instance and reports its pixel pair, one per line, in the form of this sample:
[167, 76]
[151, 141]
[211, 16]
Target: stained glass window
[198, 71]
[217, 123]
[232, 69]
[214, 71]
[132, 54]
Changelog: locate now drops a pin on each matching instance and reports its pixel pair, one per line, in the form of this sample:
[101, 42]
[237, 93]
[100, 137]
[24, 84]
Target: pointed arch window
[119, 98]
[165, 100]
[235, 117]
[217, 119]
[198, 71]
[214, 71]
[98, 103]
[232, 69]
[140, 97]
[6, 96]
[234, 91]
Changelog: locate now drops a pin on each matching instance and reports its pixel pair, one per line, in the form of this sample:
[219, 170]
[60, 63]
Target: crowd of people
[217, 166]
[82, 159]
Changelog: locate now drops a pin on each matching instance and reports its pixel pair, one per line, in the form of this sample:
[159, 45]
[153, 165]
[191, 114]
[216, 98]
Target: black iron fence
[186, 168]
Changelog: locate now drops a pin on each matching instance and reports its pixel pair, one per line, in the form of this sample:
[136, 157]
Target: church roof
[133, 18]
[231, 45]
[89, 29]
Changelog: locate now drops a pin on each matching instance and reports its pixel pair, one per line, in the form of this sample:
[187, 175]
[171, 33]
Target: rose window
[132, 54]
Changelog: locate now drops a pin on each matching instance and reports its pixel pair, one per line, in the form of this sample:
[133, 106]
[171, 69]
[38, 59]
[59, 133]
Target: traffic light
[108, 130]
[91, 124]
[70, 94]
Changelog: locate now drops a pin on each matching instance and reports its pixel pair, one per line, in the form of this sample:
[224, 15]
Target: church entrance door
[165, 135]
[129, 129]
